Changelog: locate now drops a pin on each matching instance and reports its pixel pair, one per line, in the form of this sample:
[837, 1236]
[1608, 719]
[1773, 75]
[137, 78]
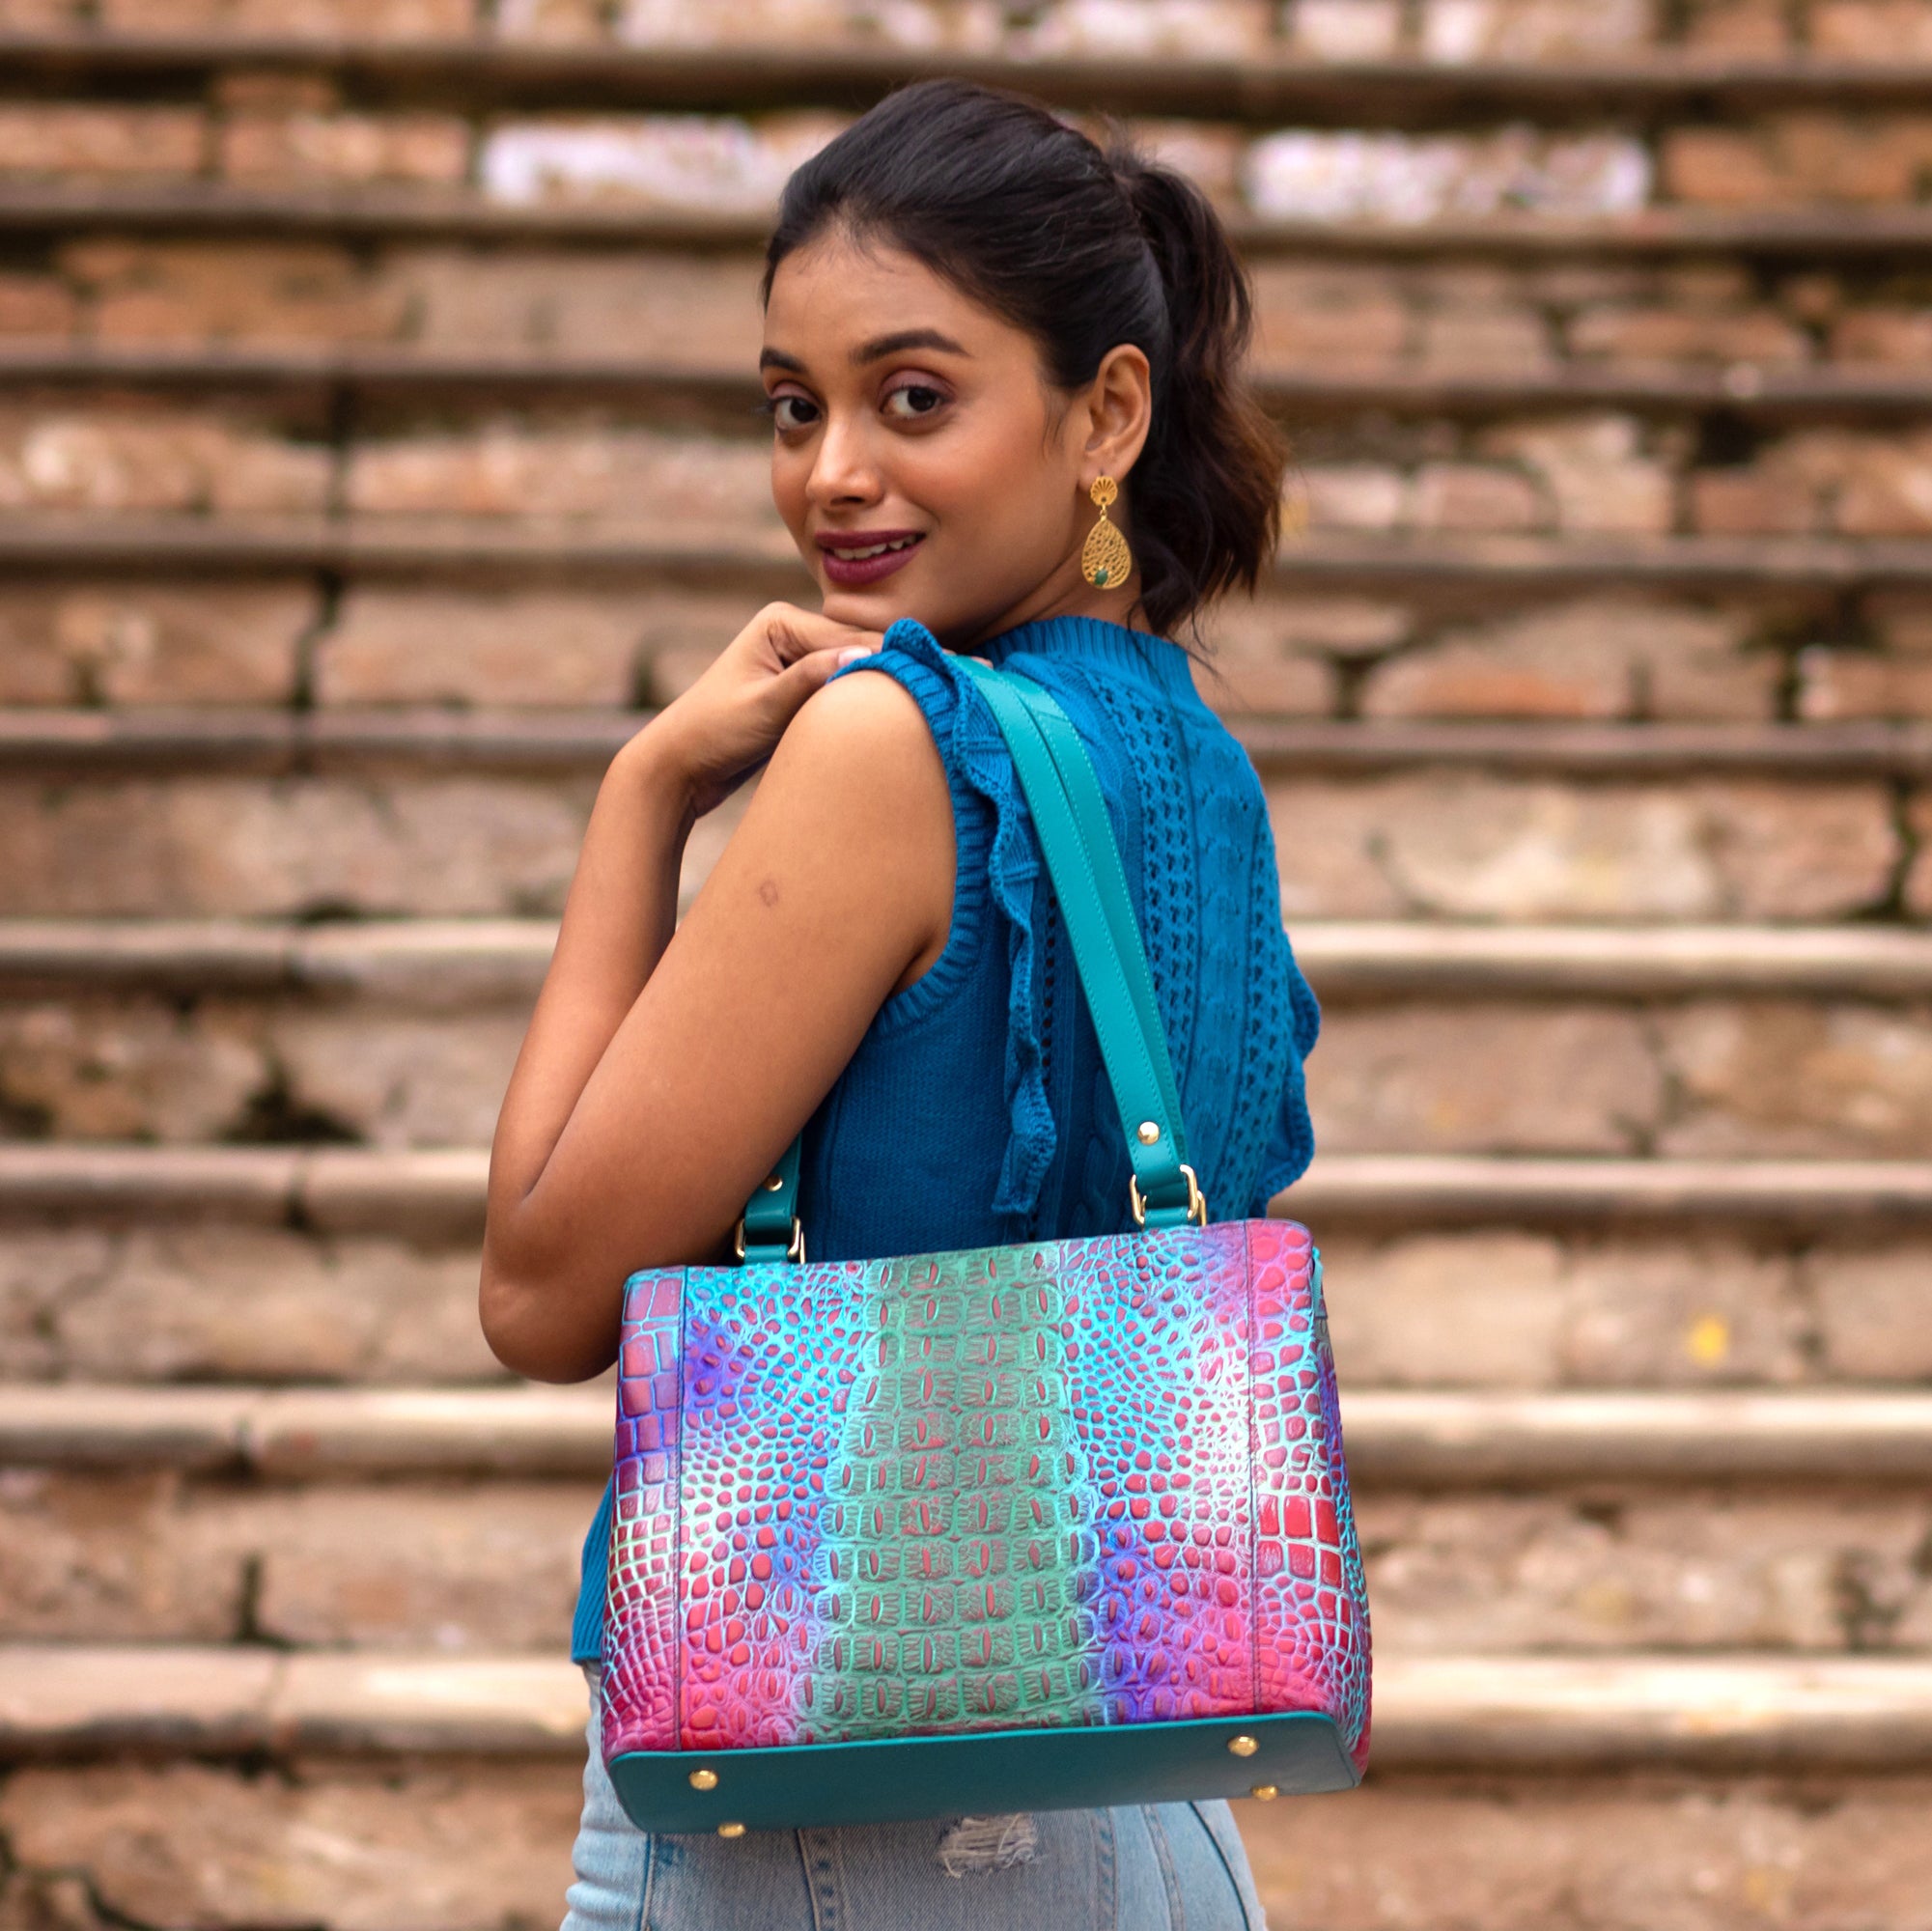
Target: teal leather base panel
[896, 1780]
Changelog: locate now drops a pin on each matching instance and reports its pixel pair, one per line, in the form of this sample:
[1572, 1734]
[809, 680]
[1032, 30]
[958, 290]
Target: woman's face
[920, 457]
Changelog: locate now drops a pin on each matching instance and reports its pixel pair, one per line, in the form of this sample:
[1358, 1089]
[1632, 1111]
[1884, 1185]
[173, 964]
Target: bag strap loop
[1082, 859]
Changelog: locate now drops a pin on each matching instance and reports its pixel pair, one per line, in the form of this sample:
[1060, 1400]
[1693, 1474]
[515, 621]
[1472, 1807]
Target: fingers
[793, 634]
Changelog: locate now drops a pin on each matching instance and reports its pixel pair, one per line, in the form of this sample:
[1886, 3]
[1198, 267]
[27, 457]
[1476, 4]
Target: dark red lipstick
[893, 548]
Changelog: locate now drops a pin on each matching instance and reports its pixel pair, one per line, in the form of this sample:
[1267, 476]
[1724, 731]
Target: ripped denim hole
[988, 1844]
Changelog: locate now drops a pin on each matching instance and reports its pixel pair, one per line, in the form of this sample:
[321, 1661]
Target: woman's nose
[845, 469]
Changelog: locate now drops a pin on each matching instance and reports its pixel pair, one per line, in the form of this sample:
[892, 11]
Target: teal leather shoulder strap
[1078, 843]
[1083, 861]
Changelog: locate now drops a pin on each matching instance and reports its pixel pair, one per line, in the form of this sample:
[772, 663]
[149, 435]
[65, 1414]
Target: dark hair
[1084, 247]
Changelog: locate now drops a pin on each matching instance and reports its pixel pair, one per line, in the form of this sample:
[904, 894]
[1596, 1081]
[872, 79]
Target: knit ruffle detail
[978, 754]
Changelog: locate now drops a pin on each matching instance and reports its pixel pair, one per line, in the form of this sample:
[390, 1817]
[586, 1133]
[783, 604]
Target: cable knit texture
[976, 1111]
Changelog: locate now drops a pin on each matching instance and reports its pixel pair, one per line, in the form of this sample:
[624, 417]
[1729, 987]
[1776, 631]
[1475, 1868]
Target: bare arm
[665, 1069]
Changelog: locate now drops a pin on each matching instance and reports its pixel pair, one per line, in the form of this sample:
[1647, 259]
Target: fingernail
[853, 653]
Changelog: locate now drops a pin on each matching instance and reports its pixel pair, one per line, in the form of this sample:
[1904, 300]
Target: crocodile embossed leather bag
[1022, 1527]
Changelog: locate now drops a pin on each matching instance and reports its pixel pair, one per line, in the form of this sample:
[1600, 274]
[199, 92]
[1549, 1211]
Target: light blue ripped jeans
[1146, 1867]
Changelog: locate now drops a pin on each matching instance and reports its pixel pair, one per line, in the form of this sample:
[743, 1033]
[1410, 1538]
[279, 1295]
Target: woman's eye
[916, 399]
[792, 411]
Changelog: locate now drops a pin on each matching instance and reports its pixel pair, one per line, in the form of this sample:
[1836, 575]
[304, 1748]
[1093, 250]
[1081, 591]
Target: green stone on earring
[1100, 577]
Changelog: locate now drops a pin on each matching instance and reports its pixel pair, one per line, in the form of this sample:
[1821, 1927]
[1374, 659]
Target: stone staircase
[376, 445]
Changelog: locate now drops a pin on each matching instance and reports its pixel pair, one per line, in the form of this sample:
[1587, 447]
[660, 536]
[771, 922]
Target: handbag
[1063, 1524]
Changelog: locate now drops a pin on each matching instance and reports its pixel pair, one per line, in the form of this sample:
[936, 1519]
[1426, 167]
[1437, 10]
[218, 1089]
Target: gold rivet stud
[1147, 1132]
[703, 1780]
[731, 1829]
[774, 1183]
[1264, 1793]
[1242, 1745]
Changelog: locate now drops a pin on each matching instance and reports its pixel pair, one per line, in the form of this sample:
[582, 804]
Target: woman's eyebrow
[907, 338]
[776, 358]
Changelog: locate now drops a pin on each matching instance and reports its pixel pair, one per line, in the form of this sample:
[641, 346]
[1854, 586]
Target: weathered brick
[1187, 30]
[685, 311]
[348, 1847]
[339, 147]
[134, 459]
[70, 138]
[1872, 1308]
[1886, 486]
[1209, 157]
[1752, 502]
[1475, 496]
[176, 848]
[1354, 175]
[483, 1565]
[113, 1558]
[503, 647]
[1784, 1077]
[1457, 846]
[1601, 656]
[102, 1069]
[1250, 660]
[1485, 1079]
[1412, 1855]
[1596, 470]
[976, 26]
[1492, 1573]
[555, 22]
[28, 16]
[1474, 338]
[268, 292]
[398, 1078]
[623, 475]
[1892, 336]
[33, 306]
[1799, 157]
[1688, 335]
[1466, 30]
[43, 1271]
[1737, 26]
[1343, 29]
[1510, 1308]
[235, 1303]
[1862, 684]
[1335, 319]
[1883, 30]
[722, 165]
[1346, 497]
[682, 632]
[320, 19]
[1917, 892]
[151, 643]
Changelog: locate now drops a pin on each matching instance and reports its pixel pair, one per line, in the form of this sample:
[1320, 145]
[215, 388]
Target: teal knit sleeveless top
[976, 1111]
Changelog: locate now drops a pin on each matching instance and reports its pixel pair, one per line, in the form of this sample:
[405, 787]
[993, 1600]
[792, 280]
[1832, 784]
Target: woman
[973, 315]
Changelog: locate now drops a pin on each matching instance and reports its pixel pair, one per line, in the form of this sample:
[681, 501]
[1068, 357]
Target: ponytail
[1085, 249]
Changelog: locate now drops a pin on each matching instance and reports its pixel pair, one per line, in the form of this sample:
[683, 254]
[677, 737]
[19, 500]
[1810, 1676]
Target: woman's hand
[730, 720]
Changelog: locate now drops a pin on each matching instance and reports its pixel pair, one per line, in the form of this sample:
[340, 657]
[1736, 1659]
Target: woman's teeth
[876, 549]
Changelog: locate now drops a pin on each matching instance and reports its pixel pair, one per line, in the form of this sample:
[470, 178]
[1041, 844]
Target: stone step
[1310, 561]
[188, 205]
[402, 1045]
[425, 1192]
[136, 1549]
[1559, 1715]
[1753, 391]
[203, 1292]
[248, 740]
[458, 962]
[1406, 1438]
[1186, 75]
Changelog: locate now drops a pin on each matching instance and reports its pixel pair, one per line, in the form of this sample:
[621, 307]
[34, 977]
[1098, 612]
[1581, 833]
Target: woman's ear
[1120, 408]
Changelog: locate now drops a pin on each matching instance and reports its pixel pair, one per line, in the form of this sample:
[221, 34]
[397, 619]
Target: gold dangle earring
[1107, 558]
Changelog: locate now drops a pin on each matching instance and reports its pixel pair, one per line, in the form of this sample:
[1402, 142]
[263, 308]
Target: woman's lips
[848, 572]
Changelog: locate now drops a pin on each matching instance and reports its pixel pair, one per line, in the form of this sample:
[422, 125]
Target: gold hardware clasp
[1197, 1201]
[795, 1251]
[703, 1780]
[1243, 1746]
